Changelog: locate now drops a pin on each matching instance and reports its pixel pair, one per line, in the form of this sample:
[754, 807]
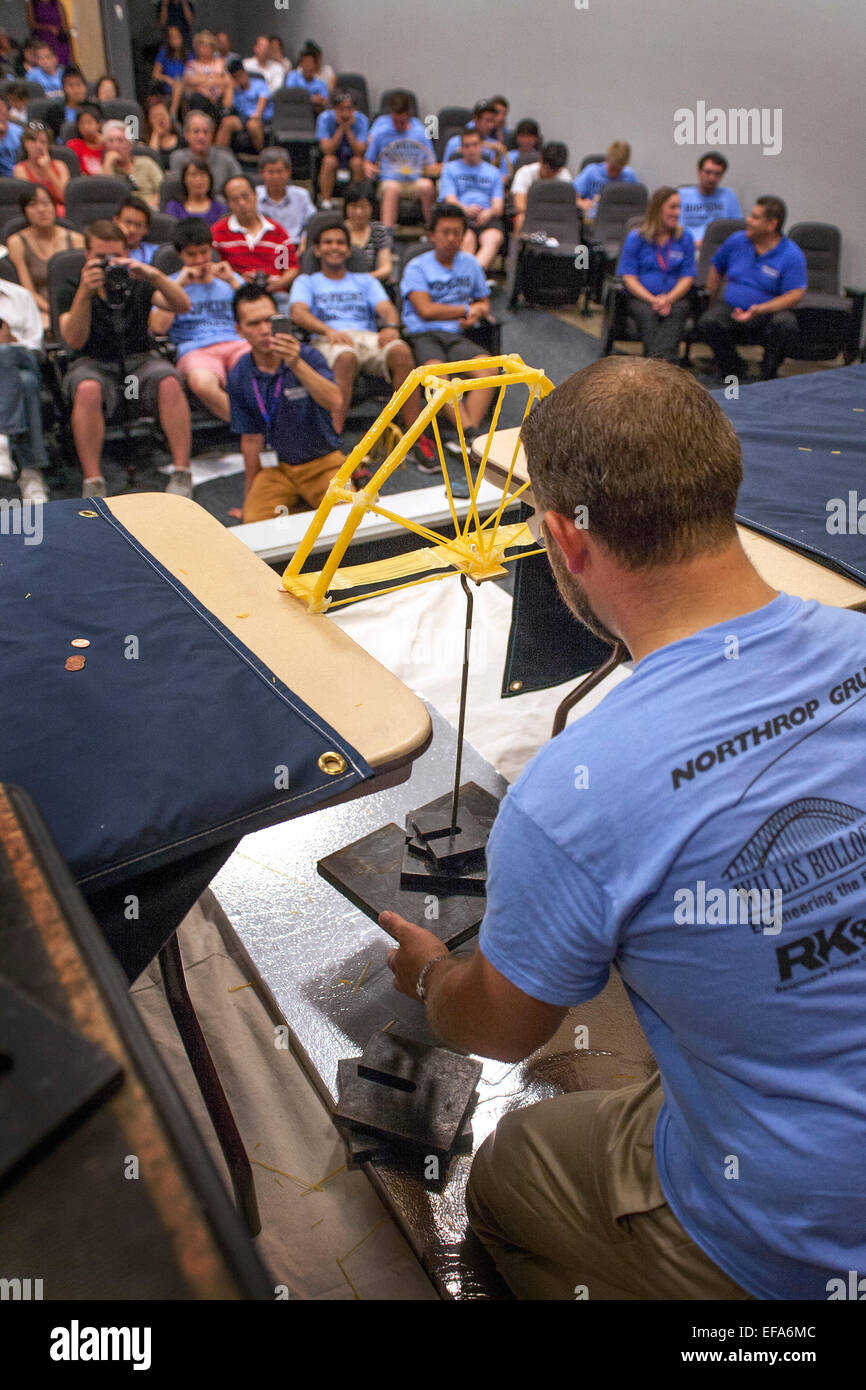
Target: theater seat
[829, 321]
[547, 275]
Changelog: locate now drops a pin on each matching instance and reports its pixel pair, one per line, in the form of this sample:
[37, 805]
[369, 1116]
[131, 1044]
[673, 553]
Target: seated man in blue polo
[207, 341]
[304, 76]
[614, 168]
[445, 292]
[400, 154]
[657, 266]
[252, 105]
[477, 188]
[706, 201]
[765, 279]
[342, 135]
[282, 394]
[357, 326]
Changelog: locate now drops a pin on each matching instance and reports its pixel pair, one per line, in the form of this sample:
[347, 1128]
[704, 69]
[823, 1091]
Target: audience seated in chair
[444, 293]
[46, 70]
[160, 131]
[205, 74]
[372, 239]
[198, 199]
[706, 201]
[170, 65]
[141, 172]
[526, 147]
[476, 187]
[37, 166]
[765, 279]
[111, 343]
[31, 249]
[401, 155]
[657, 266]
[551, 165]
[207, 341]
[270, 69]
[614, 168]
[342, 135]
[10, 142]
[87, 145]
[134, 218]
[357, 327]
[199, 128]
[493, 150]
[74, 92]
[107, 88]
[243, 127]
[20, 377]
[254, 245]
[282, 394]
[279, 199]
[304, 77]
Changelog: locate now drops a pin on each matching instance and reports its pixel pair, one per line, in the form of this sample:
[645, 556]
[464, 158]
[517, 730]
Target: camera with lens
[260, 280]
[118, 281]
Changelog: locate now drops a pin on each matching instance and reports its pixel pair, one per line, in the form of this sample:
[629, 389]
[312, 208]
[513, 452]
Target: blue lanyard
[268, 412]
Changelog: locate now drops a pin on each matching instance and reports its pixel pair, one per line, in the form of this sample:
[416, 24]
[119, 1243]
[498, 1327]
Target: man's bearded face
[572, 590]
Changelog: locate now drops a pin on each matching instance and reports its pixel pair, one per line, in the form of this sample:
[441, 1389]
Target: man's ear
[571, 539]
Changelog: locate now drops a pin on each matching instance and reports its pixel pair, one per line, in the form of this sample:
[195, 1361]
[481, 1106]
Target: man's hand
[472, 315]
[92, 277]
[287, 346]
[219, 270]
[391, 332]
[371, 170]
[743, 315]
[335, 336]
[415, 947]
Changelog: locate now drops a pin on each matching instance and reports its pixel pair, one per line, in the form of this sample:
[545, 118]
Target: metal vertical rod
[464, 685]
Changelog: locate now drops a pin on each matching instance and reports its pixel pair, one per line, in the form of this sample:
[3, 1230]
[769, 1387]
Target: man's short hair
[481, 108]
[192, 231]
[250, 294]
[773, 207]
[528, 127]
[646, 450]
[235, 65]
[470, 130]
[275, 154]
[103, 229]
[132, 201]
[195, 114]
[399, 104]
[233, 178]
[619, 153]
[443, 211]
[713, 157]
[72, 72]
[554, 154]
[333, 224]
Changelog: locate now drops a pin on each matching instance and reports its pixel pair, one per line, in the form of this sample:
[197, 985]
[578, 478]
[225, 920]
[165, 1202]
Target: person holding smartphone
[282, 396]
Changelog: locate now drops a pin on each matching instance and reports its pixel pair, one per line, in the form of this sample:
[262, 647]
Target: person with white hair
[142, 173]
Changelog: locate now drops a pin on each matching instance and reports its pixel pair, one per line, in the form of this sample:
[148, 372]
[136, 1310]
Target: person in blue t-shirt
[706, 201]
[444, 292]
[614, 168]
[400, 154]
[304, 75]
[47, 71]
[765, 278]
[10, 141]
[134, 217]
[657, 266]
[357, 326]
[342, 135]
[702, 829]
[74, 92]
[282, 394]
[477, 188]
[485, 121]
[206, 337]
[252, 105]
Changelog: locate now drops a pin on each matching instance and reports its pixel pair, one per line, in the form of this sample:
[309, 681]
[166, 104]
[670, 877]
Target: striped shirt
[269, 248]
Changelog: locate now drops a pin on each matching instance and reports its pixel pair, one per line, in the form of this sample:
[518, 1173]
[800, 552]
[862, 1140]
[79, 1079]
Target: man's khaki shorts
[372, 359]
[566, 1196]
[146, 369]
[298, 487]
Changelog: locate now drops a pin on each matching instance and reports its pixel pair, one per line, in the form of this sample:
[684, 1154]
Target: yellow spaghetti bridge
[478, 549]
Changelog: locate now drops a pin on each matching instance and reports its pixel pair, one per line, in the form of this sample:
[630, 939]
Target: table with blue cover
[209, 704]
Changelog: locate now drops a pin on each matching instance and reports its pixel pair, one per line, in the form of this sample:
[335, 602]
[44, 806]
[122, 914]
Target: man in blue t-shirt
[281, 394]
[252, 105]
[704, 830]
[765, 278]
[207, 341]
[400, 154]
[304, 76]
[47, 71]
[493, 149]
[444, 292]
[706, 201]
[614, 168]
[475, 186]
[357, 326]
[342, 135]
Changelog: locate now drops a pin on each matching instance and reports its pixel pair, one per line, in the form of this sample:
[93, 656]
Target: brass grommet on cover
[88, 513]
[332, 763]
[516, 685]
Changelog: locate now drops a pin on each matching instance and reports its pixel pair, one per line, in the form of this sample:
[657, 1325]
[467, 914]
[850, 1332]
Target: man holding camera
[104, 317]
[282, 396]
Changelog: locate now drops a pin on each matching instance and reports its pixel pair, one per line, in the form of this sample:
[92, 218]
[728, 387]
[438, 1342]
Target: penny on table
[75, 663]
